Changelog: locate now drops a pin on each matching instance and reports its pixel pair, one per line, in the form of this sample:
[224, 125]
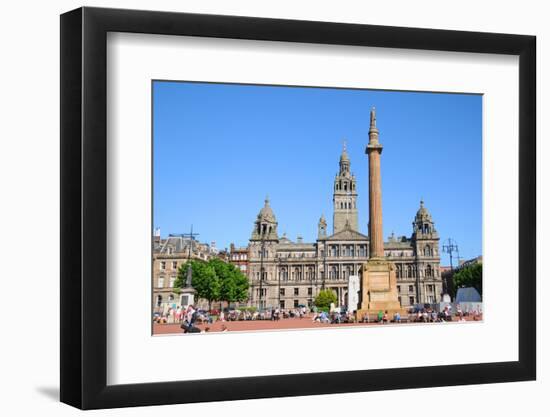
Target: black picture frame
[84, 207]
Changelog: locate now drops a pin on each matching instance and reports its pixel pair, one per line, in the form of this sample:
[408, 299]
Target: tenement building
[289, 273]
[169, 254]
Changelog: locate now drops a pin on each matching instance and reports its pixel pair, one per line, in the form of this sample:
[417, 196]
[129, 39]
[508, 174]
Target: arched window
[345, 186]
[334, 272]
[349, 271]
[409, 271]
[429, 271]
[427, 251]
[159, 300]
[298, 274]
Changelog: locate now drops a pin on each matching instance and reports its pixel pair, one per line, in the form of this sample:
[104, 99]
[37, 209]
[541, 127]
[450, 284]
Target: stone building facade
[238, 256]
[168, 255]
[289, 273]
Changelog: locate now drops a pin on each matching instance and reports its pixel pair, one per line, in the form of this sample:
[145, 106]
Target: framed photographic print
[291, 208]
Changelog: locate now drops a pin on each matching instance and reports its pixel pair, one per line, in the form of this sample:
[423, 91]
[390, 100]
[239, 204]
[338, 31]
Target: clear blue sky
[219, 149]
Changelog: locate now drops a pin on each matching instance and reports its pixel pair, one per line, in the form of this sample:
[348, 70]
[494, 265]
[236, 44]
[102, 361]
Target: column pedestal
[187, 296]
[379, 289]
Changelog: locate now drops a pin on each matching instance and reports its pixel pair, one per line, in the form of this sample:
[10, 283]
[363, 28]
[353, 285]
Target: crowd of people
[189, 317]
[179, 315]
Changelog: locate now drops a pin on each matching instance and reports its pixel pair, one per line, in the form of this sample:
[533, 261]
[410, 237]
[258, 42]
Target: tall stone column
[374, 149]
[379, 282]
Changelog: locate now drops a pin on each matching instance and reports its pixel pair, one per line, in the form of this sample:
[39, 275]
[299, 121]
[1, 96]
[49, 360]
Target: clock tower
[344, 197]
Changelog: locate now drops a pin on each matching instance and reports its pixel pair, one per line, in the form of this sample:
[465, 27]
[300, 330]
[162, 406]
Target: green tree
[233, 283]
[215, 280]
[469, 276]
[325, 298]
[205, 281]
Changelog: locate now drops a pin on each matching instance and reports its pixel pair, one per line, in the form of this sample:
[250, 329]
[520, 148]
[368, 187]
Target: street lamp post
[262, 246]
[450, 247]
[191, 236]
[324, 264]
[311, 274]
[279, 282]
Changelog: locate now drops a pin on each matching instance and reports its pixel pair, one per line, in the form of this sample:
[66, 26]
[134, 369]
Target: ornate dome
[422, 212]
[266, 213]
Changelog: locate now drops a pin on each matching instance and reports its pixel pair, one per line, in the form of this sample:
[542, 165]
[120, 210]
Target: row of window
[425, 228]
[309, 274]
[163, 265]
[294, 255]
[430, 299]
[336, 272]
[429, 288]
[397, 254]
[159, 299]
[347, 251]
[347, 205]
[335, 251]
[264, 229]
[282, 291]
[161, 281]
[412, 271]
[286, 304]
[343, 185]
[239, 256]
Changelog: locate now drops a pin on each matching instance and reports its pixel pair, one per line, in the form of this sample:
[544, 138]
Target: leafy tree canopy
[325, 298]
[215, 280]
[469, 276]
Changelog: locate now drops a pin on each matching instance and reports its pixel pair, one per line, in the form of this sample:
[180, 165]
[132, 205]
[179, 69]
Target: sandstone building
[169, 254]
[289, 273]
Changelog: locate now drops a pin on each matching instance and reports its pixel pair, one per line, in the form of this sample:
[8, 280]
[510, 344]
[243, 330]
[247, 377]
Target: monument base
[187, 297]
[379, 290]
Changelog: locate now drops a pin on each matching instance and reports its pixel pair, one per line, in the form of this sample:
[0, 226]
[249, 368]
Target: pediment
[348, 234]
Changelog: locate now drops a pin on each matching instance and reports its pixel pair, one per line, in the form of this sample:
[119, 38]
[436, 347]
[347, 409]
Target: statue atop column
[379, 282]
